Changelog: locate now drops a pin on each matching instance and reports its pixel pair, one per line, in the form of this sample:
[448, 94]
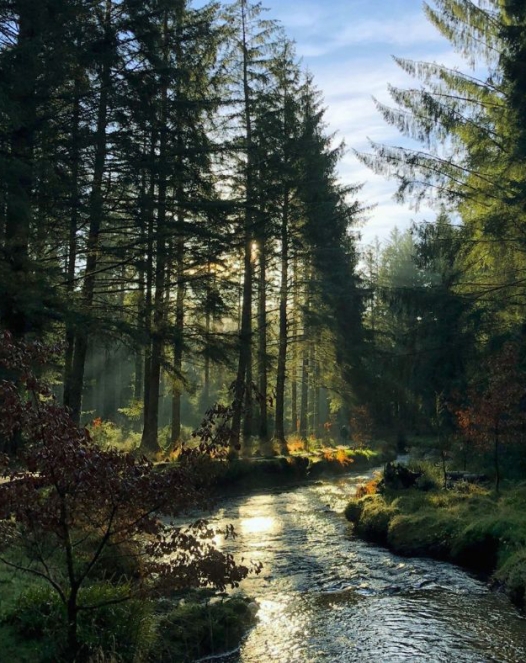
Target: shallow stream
[324, 595]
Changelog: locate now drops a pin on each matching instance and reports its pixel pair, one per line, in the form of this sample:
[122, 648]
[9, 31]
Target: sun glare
[258, 525]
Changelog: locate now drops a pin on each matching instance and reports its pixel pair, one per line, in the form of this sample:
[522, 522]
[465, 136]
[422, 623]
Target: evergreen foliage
[156, 162]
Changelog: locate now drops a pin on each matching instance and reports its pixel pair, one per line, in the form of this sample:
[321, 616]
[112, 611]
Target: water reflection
[325, 596]
[258, 525]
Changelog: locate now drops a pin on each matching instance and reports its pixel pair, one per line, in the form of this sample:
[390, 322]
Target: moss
[192, 631]
[375, 516]
[512, 575]
[475, 528]
[422, 534]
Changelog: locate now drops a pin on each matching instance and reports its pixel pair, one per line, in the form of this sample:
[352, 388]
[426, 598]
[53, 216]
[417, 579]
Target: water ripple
[326, 596]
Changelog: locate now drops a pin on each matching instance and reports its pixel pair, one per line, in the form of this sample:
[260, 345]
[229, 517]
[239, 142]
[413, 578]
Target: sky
[348, 46]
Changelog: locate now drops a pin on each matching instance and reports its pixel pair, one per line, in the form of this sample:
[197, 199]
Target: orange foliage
[168, 456]
[343, 458]
[369, 488]
[495, 412]
[328, 454]
[295, 444]
[336, 455]
[494, 415]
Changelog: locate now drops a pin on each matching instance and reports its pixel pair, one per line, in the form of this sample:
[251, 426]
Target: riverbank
[254, 474]
[186, 627]
[469, 526]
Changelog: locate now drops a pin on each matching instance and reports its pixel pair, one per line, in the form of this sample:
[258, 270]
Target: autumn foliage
[362, 426]
[493, 414]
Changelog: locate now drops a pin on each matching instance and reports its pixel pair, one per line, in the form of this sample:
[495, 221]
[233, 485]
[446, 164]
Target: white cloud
[348, 86]
[310, 16]
[407, 31]
[346, 44]
[404, 31]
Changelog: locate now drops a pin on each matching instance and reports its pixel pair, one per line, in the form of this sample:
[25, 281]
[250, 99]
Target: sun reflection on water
[259, 525]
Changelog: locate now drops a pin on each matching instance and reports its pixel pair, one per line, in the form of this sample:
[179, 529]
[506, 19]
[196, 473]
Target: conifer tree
[471, 125]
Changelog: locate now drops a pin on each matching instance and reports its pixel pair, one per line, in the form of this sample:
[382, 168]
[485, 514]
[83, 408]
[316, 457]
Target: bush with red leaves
[74, 503]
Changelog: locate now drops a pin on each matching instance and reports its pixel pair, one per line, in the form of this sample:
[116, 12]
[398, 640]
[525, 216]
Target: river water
[324, 595]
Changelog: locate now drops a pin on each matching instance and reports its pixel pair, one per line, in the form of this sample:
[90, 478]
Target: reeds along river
[326, 596]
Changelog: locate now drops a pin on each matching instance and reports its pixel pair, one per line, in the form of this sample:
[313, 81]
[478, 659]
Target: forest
[183, 285]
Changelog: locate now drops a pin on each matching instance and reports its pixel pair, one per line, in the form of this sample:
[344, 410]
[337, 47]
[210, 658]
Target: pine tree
[334, 299]
[472, 127]
[255, 41]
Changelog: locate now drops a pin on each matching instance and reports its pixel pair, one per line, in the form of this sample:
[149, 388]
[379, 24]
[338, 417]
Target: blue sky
[347, 45]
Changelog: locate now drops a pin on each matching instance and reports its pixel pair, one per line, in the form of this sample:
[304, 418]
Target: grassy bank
[249, 474]
[470, 526]
[135, 631]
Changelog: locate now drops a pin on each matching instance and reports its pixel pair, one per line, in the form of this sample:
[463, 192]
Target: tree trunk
[497, 459]
[72, 244]
[149, 442]
[279, 429]
[315, 378]
[304, 404]
[243, 377]
[244, 369]
[72, 613]
[178, 341]
[148, 301]
[262, 345]
[295, 354]
[180, 196]
[19, 208]
[145, 236]
[96, 209]
[206, 380]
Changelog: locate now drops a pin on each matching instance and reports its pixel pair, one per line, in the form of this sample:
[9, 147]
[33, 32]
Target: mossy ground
[471, 526]
[194, 630]
[249, 474]
[32, 625]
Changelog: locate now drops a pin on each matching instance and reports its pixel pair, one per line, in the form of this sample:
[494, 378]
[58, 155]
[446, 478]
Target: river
[324, 595]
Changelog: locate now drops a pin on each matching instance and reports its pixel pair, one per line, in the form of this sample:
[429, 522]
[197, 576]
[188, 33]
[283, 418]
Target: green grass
[191, 631]
[12, 586]
[32, 624]
[472, 527]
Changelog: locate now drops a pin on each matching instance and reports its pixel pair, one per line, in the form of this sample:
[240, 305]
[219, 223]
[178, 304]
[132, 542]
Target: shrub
[117, 626]
[38, 612]
[72, 502]
[353, 510]
[192, 631]
[399, 477]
